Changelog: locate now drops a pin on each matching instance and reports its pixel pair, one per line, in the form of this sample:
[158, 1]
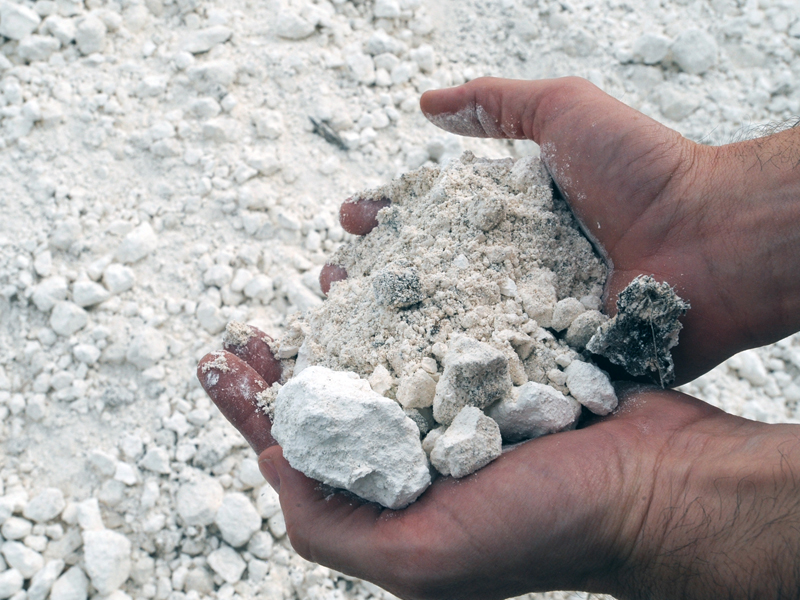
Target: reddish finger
[359, 217]
[330, 274]
[250, 344]
[233, 385]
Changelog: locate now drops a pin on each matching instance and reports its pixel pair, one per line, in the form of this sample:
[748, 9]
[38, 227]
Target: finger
[504, 108]
[234, 385]
[250, 344]
[359, 216]
[330, 274]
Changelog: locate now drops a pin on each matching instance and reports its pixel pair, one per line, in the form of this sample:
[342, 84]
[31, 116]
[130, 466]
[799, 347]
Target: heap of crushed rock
[463, 323]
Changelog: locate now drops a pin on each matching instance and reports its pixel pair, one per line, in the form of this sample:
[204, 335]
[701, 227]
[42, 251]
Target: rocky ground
[161, 175]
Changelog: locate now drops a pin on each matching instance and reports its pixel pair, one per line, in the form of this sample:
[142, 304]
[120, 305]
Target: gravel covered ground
[161, 175]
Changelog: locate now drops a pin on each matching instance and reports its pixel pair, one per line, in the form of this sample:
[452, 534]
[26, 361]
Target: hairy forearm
[754, 187]
[728, 521]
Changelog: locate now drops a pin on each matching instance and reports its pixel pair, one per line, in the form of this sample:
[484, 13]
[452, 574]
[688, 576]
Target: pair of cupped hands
[666, 497]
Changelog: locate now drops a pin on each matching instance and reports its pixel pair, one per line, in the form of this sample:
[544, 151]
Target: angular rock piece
[334, 428]
[645, 329]
[475, 374]
[472, 441]
[416, 391]
[107, 555]
[591, 387]
[535, 409]
[396, 286]
[565, 312]
[583, 328]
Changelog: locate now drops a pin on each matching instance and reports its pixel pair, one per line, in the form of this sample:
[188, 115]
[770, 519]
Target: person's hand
[668, 497]
[720, 224]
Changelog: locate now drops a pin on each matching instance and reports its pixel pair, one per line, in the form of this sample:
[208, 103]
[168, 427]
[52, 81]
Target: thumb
[507, 108]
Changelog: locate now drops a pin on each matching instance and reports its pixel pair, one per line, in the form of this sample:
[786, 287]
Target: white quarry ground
[161, 176]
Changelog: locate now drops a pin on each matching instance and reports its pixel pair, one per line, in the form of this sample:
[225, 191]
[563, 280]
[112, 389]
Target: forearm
[756, 185]
[728, 523]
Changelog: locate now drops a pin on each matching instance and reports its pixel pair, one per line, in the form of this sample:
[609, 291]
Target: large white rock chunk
[198, 501]
[475, 374]
[334, 428]
[472, 441]
[534, 409]
[23, 559]
[695, 51]
[237, 519]
[591, 387]
[107, 555]
[11, 582]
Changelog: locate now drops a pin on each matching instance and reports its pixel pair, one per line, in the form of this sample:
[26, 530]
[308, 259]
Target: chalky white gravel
[160, 175]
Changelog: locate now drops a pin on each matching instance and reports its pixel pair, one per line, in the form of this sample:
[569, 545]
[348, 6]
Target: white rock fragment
[147, 348]
[198, 501]
[651, 48]
[37, 47]
[387, 9]
[43, 581]
[534, 409]
[591, 387]
[261, 545]
[565, 312]
[118, 278]
[157, 460]
[277, 525]
[107, 556]
[23, 559]
[291, 26]
[268, 124]
[471, 441]
[583, 327]
[46, 505]
[416, 391]
[137, 244]
[11, 582]
[268, 502]
[48, 292]
[67, 318]
[90, 35]
[86, 353]
[88, 293]
[17, 20]
[475, 374]
[72, 585]
[15, 528]
[227, 563]
[431, 438]
[88, 515]
[334, 428]
[237, 519]
[695, 51]
[261, 288]
[203, 40]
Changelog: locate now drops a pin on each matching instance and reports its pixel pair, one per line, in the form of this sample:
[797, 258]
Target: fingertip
[360, 216]
[330, 274]
[234, 387]
[252, 346]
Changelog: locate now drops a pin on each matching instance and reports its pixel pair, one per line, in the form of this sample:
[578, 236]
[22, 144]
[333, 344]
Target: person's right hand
[720, 224]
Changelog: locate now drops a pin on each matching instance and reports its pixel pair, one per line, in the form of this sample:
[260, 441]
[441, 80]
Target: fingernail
[270, 473]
